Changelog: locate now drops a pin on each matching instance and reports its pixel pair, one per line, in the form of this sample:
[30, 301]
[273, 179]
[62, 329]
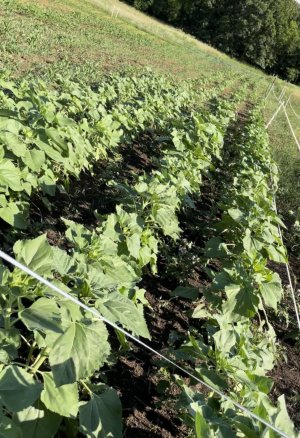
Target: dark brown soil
[286, 374]
[286, 377]
[91, 192]
[136, 375]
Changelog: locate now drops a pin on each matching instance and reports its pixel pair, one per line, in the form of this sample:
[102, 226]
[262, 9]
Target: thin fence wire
[291, 128]
[282, 94]
[276, 97]
[94, 312]
[292, 108]
[283, 104]
[274, 115]
[288, 271]
[270, 88]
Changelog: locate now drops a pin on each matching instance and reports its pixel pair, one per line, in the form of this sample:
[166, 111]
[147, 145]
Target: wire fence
[282, 105]
[95, 313]
[292, 108]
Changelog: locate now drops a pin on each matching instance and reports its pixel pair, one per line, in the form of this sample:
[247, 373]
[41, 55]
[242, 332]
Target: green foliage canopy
[265, 33]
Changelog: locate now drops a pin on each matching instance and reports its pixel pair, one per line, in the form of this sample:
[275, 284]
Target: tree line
[264, 33]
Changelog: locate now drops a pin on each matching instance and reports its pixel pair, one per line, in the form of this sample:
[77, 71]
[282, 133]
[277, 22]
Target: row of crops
[53, 355]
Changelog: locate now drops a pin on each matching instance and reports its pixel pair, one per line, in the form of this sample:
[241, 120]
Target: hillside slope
[60, 36]
[152, 168]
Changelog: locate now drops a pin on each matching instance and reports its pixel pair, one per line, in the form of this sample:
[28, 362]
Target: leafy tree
[265, 33]
[168, 10]
[246, 29]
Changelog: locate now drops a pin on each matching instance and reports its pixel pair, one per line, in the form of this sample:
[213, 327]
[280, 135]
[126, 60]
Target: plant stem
[23, 365]
[40, 359]
[25, 340]
[86, 387]
[7, 318]
[32, 347]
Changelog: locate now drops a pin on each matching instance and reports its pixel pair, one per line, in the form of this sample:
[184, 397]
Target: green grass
[86, 40]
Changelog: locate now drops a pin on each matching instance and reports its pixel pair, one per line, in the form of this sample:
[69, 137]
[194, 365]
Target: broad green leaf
[70, 310]
[145, 255]
[9, 343]
[18, 388]
[4, 275]
[166, 218]
[201, 311]
[254, 382]
[101, 417]
[78, 234]
[282, 419]
[10, 176]
[225, 340]
[62, 262]
[37, 422]
[9, 124]
[15, 214]
[43, 315]
[221, 280]
[235, 214]
[202, 428]
[215, 248]
[34, 159]
[13, 143]
[63, 399]
[276, 253]
[79, 351]
[189, 292]
[35, 253]
[48, 184]
[134, 244]
[118, 308]
[251, 244]
[271, 291]
[7, 113]
[119, 272]
[246, 426]
[50, 151]
[56, 138]
[8, 429]
[212, 378]
[241, 300]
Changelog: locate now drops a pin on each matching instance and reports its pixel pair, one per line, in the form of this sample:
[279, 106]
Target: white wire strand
[276, 97]
[288, 271]
[291, 128]
[270, 88]
[282, 94]
[94, 312]
[283, 105]
[274, 115]
[298, 117]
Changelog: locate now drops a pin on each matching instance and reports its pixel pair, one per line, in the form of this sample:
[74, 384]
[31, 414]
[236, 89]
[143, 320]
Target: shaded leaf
[37, 422]
[63, 399]
[118, 308]
[79, 351]
[18, 389]
[101, 417]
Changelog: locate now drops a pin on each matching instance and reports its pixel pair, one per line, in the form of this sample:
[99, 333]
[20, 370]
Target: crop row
[236, 348]
[48, 135]
[62, 348]
[52, 353]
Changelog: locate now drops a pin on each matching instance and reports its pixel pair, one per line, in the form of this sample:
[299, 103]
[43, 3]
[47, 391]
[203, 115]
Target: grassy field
[56, 36]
